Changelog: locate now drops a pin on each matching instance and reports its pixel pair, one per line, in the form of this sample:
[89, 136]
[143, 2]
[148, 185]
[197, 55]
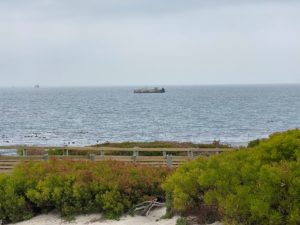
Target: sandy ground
[96, 219]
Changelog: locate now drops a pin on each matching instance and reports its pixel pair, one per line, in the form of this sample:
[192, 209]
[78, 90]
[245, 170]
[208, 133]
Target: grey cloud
[129, 42]
[100, 8]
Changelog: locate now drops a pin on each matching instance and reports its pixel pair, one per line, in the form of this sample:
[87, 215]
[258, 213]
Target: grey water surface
[90, 115]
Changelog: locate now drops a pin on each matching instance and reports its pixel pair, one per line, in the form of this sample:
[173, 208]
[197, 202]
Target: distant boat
[37, 86]
[149, 90]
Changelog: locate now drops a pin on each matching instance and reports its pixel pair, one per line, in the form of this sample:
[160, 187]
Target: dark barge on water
[149, 90]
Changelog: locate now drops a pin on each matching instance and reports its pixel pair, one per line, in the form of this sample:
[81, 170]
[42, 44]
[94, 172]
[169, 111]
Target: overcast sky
[149, 42]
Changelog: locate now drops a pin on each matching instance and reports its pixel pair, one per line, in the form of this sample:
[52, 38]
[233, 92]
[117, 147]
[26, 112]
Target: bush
[253, 143]
[13, 204]
[162, 144]
[72, 187]
[182, 221]
[260, 185]
[158, 144]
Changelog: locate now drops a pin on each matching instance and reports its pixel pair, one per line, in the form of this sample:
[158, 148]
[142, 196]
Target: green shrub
[162, 144]
[13, 204]
[113, 204]
[73, 187]
[55, 152]
[260, 185]
[253, 143]
[158, 144]
[182, 221]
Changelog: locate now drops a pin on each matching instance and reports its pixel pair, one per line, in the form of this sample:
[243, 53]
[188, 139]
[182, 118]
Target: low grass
[162, 144]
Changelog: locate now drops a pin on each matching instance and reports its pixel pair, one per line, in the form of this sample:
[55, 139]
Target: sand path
[96, 219]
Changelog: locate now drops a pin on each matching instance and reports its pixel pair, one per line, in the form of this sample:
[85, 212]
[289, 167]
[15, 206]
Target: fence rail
[171, 157]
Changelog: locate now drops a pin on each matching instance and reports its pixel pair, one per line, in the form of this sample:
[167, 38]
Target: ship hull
[149, 91]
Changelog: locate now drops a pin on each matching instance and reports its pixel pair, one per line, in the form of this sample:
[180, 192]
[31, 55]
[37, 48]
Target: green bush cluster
[41, 152]
[162, 144]
[182, 221]
[158, 144]
[259, 185]
[73, 187]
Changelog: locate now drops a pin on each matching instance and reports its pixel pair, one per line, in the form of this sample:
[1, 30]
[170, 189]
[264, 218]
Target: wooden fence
[171, 157]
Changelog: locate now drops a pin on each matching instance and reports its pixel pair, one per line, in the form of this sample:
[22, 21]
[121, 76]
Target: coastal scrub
[77, 187]
[259, 185]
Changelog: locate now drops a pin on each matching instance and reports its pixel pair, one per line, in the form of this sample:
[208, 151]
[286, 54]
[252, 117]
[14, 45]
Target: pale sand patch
[96, 219]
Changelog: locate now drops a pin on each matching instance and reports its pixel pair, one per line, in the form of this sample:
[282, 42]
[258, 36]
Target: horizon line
[148, 85]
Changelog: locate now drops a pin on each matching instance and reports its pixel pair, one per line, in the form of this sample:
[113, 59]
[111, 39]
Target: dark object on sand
[149, 90]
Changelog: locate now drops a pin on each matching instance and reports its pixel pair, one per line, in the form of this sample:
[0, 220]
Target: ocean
[90, 115]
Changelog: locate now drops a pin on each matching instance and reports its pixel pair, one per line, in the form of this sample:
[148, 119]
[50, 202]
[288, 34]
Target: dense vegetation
[162, 144]
[258, 185]
[77, 187]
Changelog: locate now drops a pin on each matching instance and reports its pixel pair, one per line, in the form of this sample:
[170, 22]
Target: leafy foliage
[162, 144]
[259, 185]
[182, 221]
[253, 143]
[13, 204]
[77, 187]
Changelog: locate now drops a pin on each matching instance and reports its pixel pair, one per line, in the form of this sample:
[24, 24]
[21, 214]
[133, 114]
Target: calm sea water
[83, 116]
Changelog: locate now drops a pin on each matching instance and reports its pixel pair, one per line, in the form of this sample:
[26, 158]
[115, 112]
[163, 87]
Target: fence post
[192, 154]
[24, 152]
[135, 155]
[46, 156]
[169, 161]
[92, 157]
[164, 154]
[102, 152]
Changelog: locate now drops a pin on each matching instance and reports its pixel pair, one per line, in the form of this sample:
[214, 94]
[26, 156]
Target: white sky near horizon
[149, 42]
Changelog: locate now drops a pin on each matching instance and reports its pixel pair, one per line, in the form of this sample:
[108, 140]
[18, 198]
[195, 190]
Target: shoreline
[96, 219]
[154, 218]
